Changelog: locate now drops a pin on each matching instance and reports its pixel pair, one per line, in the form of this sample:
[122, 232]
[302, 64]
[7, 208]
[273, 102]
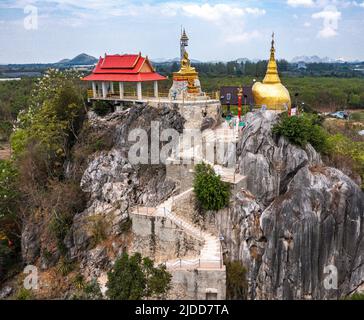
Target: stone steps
[210, 254]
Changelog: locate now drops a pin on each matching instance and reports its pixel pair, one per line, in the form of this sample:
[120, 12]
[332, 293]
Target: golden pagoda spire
[272, 76]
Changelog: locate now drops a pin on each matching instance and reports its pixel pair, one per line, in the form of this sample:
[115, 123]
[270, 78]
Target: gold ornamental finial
[272, 70]
[272, 50]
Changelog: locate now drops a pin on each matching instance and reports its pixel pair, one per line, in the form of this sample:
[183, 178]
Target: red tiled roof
[126, 61]
[125, 68]
[140, 77]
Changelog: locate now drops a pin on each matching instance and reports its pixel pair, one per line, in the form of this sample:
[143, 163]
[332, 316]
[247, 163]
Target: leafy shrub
[92, 290]
[6, 128]
[135, 278]
[211, 193]
[101, 108]
[79, 282]
[53, 118]
[236, 282]
[59, 226]
[9, 220]
[65, 266]
[98, 228]
[24, 294]
[86, 290]
[301, 130]
[355, 296]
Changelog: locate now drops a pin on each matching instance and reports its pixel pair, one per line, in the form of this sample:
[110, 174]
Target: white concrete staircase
[210, 255]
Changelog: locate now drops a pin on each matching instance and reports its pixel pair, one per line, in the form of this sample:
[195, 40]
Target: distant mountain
[242, 60]
[64, 61]
[81, 59]
[166, 61]
[313, 59]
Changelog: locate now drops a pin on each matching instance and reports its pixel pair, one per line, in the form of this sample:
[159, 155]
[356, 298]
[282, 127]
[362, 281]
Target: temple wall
[199, 284]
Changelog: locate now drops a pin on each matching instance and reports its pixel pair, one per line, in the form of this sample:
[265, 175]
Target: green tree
[301, 130]
[236, 282]
[135, 278]
[9, 224]
[53, 118]
[211, 192]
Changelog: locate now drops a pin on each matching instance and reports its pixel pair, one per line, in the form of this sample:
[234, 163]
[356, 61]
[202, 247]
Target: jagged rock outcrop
[316, 224]
[115, 185]
[290, 236]
[269, 164]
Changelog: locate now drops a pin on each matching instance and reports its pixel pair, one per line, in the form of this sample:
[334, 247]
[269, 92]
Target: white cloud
[331, 17]
[219, 12]
[300, 3]
[242, 37]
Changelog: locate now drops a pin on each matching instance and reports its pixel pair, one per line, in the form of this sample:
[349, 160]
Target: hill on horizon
[81, 59]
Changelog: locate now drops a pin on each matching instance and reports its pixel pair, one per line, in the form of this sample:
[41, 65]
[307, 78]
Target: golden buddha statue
[272, 93]
[186, 84]
[189, 74]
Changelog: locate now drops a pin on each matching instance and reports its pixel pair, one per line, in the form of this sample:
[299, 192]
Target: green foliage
[53, 117]
[24, 294]
[355, 296]
[98, 228]
[101, 108]
[65, 266]
[6, 257]
[236, 282]
[9, 222]
[326, 93]
[301, 130]
[92, 290]
[86, 290]
[357, 116]
[15, 97]
[211, 192]
[135, 278]
[8, 189]
[59, 226]
[339, 144]
[6, 127]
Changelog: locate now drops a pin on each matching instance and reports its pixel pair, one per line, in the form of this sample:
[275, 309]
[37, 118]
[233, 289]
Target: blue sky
[33, 31]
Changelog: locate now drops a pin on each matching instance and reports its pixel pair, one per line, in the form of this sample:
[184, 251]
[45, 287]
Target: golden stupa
[272, 93]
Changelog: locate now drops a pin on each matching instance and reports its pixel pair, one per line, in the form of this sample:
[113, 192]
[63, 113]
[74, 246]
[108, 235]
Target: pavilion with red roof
[121, 69]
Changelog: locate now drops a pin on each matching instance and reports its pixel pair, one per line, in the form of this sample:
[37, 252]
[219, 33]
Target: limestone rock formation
[115, 185]
[269, 164]
[300, 222]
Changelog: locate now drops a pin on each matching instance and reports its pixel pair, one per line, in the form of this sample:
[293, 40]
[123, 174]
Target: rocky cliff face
[297, 219]
[300, 220]
[115, 185]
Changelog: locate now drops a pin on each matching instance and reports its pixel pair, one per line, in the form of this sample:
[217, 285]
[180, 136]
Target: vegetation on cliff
[33, 185]
[236, 281]
[135, 278]
[211, 193]
[337, 149]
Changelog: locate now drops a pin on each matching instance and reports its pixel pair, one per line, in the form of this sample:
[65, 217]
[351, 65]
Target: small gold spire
[272, 50]
[272, 69]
